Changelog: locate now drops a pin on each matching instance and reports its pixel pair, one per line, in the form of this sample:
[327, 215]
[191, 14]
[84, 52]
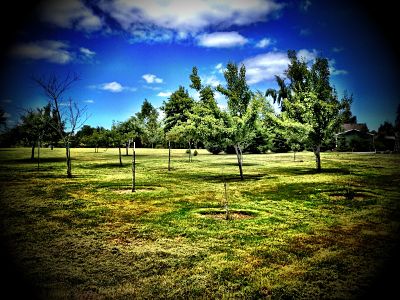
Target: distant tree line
[309, 116]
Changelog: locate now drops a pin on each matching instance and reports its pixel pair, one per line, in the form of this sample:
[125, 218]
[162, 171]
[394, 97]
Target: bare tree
[69, 116]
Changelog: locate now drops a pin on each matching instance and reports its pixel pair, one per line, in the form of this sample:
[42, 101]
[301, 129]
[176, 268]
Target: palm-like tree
[280, 94]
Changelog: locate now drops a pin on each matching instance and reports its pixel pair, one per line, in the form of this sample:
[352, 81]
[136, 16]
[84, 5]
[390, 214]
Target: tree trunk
[190, 152]
[38, 155]
[33, 151]
[317, 153]
[128, 145]
[240, 160]
[68, 155]
[120, 157]
[294, 155]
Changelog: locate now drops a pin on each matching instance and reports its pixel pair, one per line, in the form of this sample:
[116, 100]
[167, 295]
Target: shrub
[214, 149]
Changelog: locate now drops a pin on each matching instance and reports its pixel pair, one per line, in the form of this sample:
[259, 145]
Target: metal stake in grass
[134, 168]
[169, 156]
[226, 202]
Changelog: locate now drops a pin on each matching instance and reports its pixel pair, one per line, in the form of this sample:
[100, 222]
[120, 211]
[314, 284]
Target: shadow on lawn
[218, 178]
[115, 165]
[42, 160]
[310, 171]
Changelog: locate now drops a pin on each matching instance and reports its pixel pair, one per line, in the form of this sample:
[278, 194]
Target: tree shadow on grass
[310, 171]
[218, 178]
[42, 160]
[109, 165]
[245, 164]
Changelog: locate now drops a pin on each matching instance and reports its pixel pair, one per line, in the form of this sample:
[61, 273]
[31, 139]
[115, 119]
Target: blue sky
[126, 51]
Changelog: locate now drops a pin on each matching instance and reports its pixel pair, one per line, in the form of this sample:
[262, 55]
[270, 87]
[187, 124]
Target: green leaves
[177, 107]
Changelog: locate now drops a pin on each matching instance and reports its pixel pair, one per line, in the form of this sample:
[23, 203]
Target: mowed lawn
[292, 233]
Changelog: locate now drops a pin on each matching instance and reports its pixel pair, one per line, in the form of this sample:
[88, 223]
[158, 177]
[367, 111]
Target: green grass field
[293, 233]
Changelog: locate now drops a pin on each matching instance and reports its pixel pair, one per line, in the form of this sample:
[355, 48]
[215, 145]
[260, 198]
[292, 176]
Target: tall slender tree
[69, 117]
[242, 110]
[312, 101]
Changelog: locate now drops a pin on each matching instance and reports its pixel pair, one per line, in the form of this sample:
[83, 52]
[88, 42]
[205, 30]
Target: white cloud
[70, 14]
[87, 52]
[151, 78]
[50, 50]
[194, 94]
[305, 32]
[333, 70]
[220, 68]
[182, 17]
[154, 88]
[308, 56]
[264, 67]
[221, 39]
[89, 101]
[53, 51]
[305, 5]
[164, 94]
[114, 87]
[211, 80]
[337, 49]
[264, 43]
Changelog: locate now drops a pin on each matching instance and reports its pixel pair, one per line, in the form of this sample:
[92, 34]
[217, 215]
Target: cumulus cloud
[58, 52]
[305, 32]
[264, 67]
[305, 5]
[308, 56]
[337, 49]
[333, 70]
[264, 43]
[114, 87]
[164, 94]
[211, 80]
[87, 52]
[183, 17]
[70, 14]
[50, 50]
[221, 39]
[151, 78]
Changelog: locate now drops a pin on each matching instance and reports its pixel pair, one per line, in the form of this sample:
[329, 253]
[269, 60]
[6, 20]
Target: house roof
[353, 131]
[359, 126]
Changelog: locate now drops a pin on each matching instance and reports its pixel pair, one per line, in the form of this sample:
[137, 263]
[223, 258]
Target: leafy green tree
[294, 133]
[346, 114]
[81, 138]
[37, 126]
[264, 130]
[242, 110]
[176, 108]
[117, 136]
[3, 118]
[208, 116]
[151, 128]
[312, 102]
[397, 130]
[130, 130]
